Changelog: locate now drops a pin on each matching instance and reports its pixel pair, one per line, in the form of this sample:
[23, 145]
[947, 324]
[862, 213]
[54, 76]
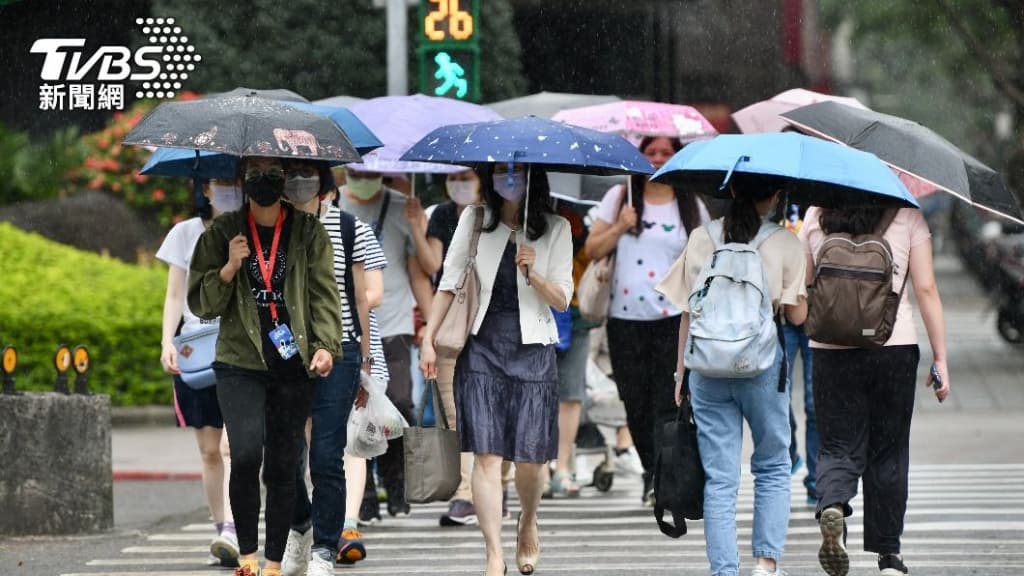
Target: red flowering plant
[114, 168]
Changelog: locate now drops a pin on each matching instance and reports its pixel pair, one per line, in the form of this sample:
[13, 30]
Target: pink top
[907, 231]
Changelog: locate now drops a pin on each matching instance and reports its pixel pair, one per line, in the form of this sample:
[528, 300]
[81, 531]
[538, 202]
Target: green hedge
[52, 294]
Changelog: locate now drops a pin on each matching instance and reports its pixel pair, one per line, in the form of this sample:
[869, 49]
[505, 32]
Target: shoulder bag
[196, 352]
[458, 321]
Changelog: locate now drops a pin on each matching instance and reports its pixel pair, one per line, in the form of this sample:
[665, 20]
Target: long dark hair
[540, 201]
[742, 221]
[853, 220]
[689, 211]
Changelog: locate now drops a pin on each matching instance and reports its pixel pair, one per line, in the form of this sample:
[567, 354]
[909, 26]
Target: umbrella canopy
[913, 149]
[763, 116]
[181, 162]
[401, 121]
[279, 94]
[342, 101]
[245, 125]
[531, 140]
[635, 119]
[817, 172]
[547, 104]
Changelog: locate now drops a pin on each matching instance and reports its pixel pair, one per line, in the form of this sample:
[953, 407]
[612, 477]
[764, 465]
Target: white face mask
[513, 193]
[463, 192]
[225, 198]
[300, 190]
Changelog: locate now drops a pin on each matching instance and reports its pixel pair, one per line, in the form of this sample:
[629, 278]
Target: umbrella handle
[629, 190]
[526, 215]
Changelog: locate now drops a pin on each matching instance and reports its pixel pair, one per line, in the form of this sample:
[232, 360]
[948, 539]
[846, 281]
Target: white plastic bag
[370, 427]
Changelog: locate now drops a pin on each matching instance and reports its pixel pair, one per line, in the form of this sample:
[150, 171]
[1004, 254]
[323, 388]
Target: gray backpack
[732, 327]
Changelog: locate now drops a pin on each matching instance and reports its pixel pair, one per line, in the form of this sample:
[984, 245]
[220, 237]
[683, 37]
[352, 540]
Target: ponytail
[742, 221]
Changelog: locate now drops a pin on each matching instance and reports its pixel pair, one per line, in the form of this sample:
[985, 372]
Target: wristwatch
[368, 361]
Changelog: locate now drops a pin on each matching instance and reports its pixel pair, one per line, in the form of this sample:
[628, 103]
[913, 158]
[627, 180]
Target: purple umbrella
[401, 121]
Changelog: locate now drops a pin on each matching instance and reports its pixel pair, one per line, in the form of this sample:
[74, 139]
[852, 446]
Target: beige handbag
[454, 330]
[595, 289]
[433, 467]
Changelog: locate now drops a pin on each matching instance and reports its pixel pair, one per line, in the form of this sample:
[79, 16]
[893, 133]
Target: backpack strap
[348, 238]
[766, 231]
[717, 232]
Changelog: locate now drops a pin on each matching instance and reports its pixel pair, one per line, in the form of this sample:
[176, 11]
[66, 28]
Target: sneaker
[296, 553]
[350, 547]
[797, 465]
[762, 571]
[506, 514]
[832, 555]
[628, 463]
[460, 513]
[369, 512]
[224, 549]
[320, 566]
[891, 565]
[212, 560]
[397, 506]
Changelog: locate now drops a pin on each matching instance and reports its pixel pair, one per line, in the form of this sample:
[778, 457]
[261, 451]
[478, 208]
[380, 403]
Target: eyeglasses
[303, 170]
[272, 173]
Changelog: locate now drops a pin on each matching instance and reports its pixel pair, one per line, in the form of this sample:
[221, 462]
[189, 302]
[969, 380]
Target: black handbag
[679, 474]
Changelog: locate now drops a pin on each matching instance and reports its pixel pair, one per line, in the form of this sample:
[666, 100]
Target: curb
[150, 475]
[126, 416]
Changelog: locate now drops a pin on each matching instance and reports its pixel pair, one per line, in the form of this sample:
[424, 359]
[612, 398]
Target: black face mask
[264, 191]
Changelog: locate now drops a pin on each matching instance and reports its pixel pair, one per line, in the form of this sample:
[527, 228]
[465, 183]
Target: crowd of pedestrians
[317, 285]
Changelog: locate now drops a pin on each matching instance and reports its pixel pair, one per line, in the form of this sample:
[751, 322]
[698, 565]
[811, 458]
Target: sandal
[562, 485]
[527, 563]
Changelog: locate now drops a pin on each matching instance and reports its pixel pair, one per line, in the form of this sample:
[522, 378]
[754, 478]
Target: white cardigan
[553, 262]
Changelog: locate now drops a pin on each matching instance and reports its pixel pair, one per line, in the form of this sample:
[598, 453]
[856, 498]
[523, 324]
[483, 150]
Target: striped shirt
[368, 251]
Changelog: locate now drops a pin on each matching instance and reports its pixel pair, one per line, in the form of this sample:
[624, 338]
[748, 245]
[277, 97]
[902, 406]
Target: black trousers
[864, 401]
[391, 465]
[643, 356]
[265, 417]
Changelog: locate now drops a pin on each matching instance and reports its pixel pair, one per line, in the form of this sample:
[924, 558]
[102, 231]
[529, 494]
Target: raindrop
[149, 94]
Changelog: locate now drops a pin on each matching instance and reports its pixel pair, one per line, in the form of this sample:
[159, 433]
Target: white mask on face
[463, 192]
[299, 189]
[225, 198]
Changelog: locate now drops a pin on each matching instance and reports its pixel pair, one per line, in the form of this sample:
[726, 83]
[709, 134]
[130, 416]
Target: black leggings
[643, 355]
[263, 414]
[864, 401]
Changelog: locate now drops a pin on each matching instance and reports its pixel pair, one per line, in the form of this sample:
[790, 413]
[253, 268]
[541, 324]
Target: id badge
[284, 341]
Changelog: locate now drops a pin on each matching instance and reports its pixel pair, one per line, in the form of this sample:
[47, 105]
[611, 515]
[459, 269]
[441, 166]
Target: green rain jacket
[310, 291]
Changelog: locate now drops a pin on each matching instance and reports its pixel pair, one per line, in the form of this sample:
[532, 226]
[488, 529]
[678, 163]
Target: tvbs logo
[160, 65]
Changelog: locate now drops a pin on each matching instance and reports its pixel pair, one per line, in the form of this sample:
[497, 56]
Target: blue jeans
[719, 407]
[332, 402]
[797, 340]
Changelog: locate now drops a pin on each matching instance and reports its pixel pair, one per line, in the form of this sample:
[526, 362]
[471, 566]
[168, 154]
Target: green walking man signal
[449, 48]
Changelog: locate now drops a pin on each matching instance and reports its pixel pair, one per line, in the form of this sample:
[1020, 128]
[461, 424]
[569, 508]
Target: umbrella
[546, 104]
[911, 148]
[400, 121]
[342, 101]
[817, 172]
[279, 94]
[763, 116]
[635, 119]
[181, 162]
[246, 125]
[531, 140]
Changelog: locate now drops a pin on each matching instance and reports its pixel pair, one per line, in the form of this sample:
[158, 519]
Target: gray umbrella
[911, 148]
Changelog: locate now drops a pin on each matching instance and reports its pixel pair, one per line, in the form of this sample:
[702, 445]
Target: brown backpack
[852, 302]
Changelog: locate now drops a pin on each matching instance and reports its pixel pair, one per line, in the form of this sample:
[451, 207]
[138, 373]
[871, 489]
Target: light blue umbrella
[183, 162]
[816, 172]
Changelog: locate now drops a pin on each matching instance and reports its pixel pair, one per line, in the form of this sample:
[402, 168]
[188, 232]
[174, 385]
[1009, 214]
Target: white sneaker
[628, 463]
[761, 571]
[225, 549]
[296, 553]
[319, 566]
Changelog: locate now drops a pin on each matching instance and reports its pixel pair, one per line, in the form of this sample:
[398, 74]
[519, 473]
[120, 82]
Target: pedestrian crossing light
[449, 50]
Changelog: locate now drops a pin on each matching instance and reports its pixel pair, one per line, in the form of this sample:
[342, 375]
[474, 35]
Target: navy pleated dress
[506, 391]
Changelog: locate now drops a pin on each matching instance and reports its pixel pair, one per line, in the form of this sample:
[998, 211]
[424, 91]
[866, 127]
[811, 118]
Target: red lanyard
[267, 268]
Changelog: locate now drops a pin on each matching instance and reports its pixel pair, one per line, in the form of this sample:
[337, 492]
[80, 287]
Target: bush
[53, 294]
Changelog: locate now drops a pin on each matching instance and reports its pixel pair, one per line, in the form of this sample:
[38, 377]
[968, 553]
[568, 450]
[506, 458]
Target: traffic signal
[449, 49]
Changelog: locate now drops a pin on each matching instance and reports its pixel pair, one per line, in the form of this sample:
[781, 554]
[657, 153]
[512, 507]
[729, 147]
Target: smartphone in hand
[936, 379]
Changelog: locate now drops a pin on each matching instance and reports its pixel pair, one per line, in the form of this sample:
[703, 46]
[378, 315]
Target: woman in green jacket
[267, 272]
